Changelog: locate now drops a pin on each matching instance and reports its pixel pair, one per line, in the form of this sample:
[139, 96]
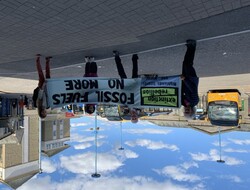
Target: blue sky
[153, 158]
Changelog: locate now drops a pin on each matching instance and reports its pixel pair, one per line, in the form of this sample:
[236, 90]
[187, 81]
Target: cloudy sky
[153, 158]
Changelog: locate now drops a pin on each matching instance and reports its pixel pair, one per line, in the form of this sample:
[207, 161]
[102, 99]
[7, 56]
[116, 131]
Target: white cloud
[39, 184]
[200, 156]
[241, 142]
[223, 143]
[84, 163]
[125, 154]
[179, 174]
[100, 142]
[232, 161]
[148, 131]
[114, 183]
[233, 178]
[82, 146]
[188, 165]
[81, 138]
[48, 166]
[75, 137]
[153, 145]
[78, 124]
[235, 150]
[214, 155]
[130, 154]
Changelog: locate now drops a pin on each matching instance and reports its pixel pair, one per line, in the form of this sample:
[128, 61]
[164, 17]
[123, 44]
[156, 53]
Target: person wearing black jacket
[133, 112]
[190, 81]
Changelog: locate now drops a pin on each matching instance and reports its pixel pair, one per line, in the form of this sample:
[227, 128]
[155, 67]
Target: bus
[224, 107]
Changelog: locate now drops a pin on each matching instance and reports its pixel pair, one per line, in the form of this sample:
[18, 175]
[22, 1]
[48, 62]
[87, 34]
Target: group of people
[189, 90]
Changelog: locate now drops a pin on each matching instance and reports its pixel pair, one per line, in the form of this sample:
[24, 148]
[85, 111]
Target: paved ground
[70, 30]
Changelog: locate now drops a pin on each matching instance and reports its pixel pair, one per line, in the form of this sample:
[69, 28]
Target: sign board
[161, 91]
[139, 92]
[64, 91]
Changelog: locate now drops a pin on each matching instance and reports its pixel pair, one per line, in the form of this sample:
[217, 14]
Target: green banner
[161, 91]
[161, 96]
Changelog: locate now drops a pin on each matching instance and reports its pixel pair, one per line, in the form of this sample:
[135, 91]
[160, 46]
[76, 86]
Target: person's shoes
[191, 43]
[116, 53]
[91, 58]
[38, 57]
[135, 57]
[48, 57]
[87, 59]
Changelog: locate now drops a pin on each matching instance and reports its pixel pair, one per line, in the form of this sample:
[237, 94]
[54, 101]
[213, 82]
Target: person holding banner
[133, 112]
[190, 81]
[120, 68]
[39, 94]
[90, 67]
[90, 71]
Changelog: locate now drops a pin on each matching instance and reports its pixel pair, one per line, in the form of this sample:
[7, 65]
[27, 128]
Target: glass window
[54, 132]
[223, 110]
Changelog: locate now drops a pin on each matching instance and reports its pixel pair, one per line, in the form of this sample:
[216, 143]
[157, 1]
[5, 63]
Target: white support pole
[40, 144]
[96, 175]
[220, 160]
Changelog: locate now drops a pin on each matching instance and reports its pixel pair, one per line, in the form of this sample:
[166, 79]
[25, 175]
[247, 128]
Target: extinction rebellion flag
[161, 91]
